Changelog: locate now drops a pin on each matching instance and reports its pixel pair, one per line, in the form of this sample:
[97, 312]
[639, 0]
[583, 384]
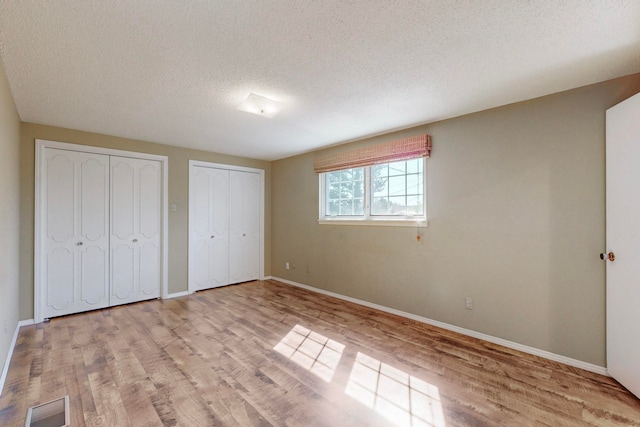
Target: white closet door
[75, 194]
[210, 229]
[136, 186]
[244, 226]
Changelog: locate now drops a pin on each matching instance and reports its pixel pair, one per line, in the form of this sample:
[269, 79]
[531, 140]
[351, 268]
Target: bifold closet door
[75, 227]
[244, 226]
[136, 186]
[210, 229]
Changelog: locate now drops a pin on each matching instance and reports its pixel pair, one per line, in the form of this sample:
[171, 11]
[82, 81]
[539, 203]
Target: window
[388, 193]
[345, 192]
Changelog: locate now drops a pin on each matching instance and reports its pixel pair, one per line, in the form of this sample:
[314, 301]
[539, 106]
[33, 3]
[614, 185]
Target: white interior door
[75, 196]
[623, 239]
[209, 210]
[136, 186]
[244, 226]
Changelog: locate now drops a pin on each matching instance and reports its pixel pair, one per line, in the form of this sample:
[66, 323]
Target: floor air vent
[50, 414]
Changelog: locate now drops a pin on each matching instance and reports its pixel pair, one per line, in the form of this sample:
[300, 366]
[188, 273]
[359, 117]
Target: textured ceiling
[174, 71]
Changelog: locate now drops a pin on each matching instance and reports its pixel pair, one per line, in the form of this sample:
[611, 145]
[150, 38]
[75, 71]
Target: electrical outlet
[286, 265]
[468, 303]
[6, 326]
[308, 269]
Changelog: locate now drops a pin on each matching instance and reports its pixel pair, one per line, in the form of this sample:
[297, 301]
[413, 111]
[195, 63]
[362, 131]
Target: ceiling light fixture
[260, 105]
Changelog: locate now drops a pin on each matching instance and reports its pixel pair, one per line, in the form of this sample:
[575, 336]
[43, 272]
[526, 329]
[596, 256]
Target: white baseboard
[177, 294]
[505, 343]
[7, 362]
[267, 278]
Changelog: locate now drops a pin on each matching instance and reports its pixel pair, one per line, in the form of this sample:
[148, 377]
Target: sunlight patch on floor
[315, 352]
[401, 398]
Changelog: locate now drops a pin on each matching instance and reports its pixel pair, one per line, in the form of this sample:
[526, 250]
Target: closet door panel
[124, 287]
[236, 227]
[148, 245]
[149, 270]
[149, 196]
[94, 274]
[209, 231]
[94, 230]
[219, 262]
[200, 205]
[135, 206]
[200, 264]
[123, 273]
[122, 198]
[219, 244]
[244, 226]
[60, 208]
[60, 196]
[60, 280]
[94, 193]
[76, 232]
[252, 225]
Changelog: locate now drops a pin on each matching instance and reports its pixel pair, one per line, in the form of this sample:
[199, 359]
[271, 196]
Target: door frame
[260, 172]
[38, 246]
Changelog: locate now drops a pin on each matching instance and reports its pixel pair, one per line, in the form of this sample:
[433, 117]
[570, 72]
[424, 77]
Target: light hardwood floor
[266, 353]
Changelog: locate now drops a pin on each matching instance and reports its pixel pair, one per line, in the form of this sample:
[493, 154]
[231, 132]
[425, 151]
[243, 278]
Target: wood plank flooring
[265, 353]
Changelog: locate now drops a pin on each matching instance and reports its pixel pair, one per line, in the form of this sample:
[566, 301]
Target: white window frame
[367, 218]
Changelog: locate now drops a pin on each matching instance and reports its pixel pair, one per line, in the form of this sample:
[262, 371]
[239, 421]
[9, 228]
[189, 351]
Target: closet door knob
[134, 240]
[213, 237]
[79, 244]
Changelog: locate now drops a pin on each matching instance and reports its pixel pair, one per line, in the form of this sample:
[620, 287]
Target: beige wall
[9, 216]
[516, 207]
[178, 194]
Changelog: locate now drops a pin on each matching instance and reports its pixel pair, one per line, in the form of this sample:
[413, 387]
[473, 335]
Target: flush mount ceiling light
[260, 105]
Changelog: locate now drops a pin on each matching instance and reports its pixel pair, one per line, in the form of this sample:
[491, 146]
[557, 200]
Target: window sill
[422, 223]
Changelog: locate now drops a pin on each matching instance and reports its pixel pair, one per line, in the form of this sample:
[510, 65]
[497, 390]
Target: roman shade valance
[402, 149]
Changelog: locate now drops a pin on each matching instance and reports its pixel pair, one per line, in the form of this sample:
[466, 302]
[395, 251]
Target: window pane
[358, 207]
[333, 177]
[414, 205]
[333, 192]
[414, 166]
[333, 208]
[402, 192]
[358, 189]
[398, 168]
[346, 207]
[398, 204]
[345, 192]
[397, 185]
[379, 187]
[414, 184]
[380, 170]
[380, 206]
[358, 194]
